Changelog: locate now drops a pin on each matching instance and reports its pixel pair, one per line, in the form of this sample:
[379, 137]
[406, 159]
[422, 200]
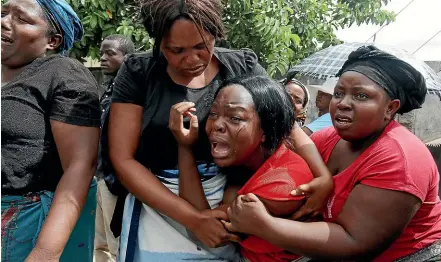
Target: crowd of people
[191, 151]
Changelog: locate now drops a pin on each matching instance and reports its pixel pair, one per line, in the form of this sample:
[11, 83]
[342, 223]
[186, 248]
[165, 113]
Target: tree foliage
[281, 32]
[106, 17]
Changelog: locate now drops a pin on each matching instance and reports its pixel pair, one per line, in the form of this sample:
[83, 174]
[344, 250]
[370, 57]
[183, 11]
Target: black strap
[116, 222]
[132, 242]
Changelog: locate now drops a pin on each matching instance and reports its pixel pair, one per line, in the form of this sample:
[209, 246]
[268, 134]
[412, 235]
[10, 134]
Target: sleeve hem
[124, 101]
[407, 189]
[77, 121]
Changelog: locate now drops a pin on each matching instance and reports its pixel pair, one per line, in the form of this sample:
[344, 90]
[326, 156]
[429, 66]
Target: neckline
[29, 68]
[362, 156]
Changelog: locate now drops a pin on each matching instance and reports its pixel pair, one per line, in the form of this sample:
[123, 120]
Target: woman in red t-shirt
[385, 205]
[248, 122]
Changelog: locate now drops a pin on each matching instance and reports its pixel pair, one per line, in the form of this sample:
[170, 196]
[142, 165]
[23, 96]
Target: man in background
[324, 96]
[112, 51]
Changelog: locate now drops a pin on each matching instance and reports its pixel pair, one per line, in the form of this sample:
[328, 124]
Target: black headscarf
[400, 80]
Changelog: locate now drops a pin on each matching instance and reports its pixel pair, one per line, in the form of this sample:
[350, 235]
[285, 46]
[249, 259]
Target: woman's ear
[392, 108]
[263, 139]
[54, 42]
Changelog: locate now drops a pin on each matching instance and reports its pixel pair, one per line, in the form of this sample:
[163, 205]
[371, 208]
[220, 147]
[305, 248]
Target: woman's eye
[361, 96]
[212, 114]
[236, 119]
[338, 94]
[176, 50]
[4, 14]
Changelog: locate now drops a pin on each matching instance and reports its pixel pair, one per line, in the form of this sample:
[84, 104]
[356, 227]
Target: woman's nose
[344, 103]
[219, 125]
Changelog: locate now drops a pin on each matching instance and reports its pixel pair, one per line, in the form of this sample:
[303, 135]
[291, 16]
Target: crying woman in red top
[385, 205]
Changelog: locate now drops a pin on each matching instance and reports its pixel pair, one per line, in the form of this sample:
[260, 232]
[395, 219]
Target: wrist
[185, 147]
[265, 231]
[44, 253]
[194, 221]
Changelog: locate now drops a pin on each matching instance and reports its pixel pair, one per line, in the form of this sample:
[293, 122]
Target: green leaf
[93, 21]
[296, 39]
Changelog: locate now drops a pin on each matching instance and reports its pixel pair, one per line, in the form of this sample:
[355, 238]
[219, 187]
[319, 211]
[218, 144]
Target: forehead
[353, 79]
[234, 94]
[30, 7]
[109, 44]
[185, 33]
[295, 89]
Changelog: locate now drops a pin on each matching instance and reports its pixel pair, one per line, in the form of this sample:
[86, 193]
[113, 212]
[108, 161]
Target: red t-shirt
[275, 179]
[398, 160]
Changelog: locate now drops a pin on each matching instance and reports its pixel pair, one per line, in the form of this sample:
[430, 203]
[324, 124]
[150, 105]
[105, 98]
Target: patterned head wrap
[61, 15]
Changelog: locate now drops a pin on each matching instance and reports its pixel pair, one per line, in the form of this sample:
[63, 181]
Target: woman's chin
[222, 162]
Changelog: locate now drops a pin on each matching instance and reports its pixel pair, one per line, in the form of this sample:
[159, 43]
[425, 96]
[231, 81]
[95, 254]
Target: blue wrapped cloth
[23, 217]
[66, 19]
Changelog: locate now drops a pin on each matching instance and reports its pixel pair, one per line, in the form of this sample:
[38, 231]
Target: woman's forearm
[145, 186]
[316, 240]
[190, 186]
[307, 150]
[70, 196]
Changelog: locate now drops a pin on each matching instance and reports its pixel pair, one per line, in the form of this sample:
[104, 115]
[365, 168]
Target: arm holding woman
[385, 204]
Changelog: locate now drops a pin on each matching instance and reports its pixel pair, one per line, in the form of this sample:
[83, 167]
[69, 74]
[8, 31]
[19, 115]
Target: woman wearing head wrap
[385, 205]
[50, 119]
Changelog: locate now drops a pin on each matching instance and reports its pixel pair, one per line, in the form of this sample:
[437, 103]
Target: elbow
[119, 163]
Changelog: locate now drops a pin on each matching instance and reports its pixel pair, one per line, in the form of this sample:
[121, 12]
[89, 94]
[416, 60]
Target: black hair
[159, 15]
[126, 45]
[273, 105]
[291, 80]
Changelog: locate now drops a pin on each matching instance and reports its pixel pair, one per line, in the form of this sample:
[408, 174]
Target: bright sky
[415, 25]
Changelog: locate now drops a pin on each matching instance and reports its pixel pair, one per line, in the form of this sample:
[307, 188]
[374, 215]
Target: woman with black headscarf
[385, 205]
[50, 119]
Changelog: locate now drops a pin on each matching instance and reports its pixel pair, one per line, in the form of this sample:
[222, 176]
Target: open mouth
[220, 149]
[342, 122]
[6, 39]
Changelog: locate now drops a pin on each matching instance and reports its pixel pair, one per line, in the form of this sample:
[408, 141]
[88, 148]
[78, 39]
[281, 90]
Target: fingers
[229, 226]
[234, 238]
[309, 209]
[302, 190]
[177, 112]
[302, 212]
[194, 124]
[219, 214]
[249, 198]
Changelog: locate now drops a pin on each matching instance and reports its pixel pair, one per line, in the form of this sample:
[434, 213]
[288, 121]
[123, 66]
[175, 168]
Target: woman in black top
[184, 66]
[50, 120]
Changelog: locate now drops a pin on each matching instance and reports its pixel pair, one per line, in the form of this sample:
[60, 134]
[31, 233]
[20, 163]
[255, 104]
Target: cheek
[116, 60]
[333, 106]
[208, 126]
[247, 140]
[204, 55]
[173, 60]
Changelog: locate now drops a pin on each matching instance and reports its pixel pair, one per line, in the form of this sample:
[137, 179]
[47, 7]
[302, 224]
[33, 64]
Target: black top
[50, 88]
[145, 82]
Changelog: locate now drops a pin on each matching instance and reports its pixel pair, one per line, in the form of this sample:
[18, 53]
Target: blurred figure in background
[299, 95]
[324, 96]
[112, 51]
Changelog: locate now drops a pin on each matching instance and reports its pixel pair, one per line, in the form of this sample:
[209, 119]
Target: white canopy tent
[417, 29]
